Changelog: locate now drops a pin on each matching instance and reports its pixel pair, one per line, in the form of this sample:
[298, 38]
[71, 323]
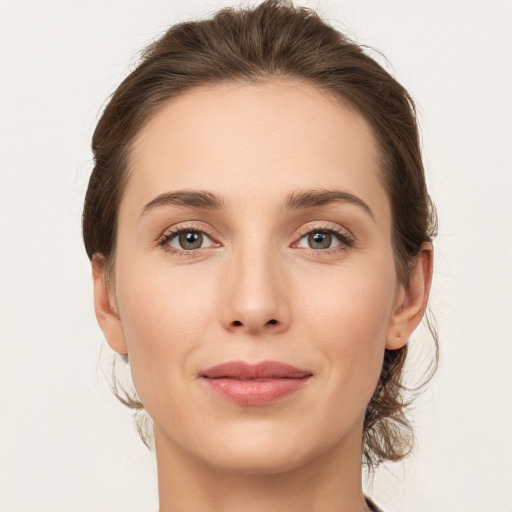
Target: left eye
[188, 240]
[320, 240]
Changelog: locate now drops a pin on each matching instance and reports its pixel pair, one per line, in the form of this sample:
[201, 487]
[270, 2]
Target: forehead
[254, 141]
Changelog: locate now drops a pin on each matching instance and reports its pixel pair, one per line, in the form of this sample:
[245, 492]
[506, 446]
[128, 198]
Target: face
[254, 275]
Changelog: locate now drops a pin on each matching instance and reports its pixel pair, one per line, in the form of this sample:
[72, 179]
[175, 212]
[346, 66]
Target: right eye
[188, 240]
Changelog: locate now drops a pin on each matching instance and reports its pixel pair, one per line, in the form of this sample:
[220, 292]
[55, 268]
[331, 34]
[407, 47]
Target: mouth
[255, 384]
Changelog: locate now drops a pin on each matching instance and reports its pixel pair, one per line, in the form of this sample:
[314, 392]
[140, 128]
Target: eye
[319, 240]
[323, 239]
[188, 240]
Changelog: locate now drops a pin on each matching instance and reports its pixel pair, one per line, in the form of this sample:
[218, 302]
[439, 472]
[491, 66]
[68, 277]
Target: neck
[329, 483]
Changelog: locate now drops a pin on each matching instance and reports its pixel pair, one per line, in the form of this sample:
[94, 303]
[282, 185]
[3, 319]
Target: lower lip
[254, 392]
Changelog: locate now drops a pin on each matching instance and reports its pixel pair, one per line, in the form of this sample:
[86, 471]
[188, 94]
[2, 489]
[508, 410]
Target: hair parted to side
[277, 40]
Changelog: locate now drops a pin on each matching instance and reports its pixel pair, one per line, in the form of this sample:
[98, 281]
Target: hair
[270, 41]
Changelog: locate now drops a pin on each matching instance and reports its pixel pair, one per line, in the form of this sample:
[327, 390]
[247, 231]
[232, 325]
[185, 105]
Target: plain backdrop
[66, 445]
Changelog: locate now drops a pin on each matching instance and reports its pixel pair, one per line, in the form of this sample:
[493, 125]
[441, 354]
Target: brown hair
[276, 39]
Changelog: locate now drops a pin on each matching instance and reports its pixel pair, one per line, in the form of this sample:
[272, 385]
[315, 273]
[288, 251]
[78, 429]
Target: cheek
[160, 305]
[163, 319]
[348, 319]
[354, 305]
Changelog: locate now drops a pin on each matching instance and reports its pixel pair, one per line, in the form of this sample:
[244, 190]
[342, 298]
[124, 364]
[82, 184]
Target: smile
[255, 384]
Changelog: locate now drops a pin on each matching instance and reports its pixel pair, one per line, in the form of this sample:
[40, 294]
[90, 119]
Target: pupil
[191, 240]
[320, 240]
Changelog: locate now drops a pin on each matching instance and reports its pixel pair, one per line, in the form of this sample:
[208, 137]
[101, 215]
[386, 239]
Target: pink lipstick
[255, 384]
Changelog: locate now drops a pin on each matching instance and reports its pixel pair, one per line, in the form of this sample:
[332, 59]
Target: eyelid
[191, 225]
[344, 235]
[346, 238]
[180, 227]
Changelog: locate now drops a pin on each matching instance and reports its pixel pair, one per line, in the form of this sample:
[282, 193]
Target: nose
[255, 300]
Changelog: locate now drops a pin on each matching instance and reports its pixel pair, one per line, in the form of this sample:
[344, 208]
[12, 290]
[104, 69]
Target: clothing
[372, 505]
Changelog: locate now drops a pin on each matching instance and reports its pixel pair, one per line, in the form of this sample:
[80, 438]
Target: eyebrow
[315, 198]
[295, 201]
[188, 198]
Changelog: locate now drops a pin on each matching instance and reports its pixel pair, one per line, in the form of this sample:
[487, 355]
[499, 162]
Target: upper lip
[263, 370]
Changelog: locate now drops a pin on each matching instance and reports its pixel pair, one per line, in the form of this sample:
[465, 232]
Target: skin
[256, 290]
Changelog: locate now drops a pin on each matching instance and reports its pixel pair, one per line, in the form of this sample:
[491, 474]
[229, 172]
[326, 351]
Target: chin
[263, 449]
[258, 460]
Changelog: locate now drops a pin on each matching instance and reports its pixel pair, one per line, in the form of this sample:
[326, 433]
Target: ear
[105, 307]
[411, 300]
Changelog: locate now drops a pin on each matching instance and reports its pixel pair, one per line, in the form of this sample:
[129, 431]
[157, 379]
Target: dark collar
[371, 505]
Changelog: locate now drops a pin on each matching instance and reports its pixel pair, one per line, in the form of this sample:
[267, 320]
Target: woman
[260, 236]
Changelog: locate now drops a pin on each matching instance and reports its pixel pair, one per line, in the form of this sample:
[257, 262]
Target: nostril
[238, 323]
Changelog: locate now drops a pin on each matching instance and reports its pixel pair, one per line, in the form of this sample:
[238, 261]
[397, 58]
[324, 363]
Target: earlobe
[412, 300]
[105, 307]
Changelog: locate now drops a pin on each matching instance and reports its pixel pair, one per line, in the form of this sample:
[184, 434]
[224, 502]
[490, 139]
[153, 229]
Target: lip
[255, 384]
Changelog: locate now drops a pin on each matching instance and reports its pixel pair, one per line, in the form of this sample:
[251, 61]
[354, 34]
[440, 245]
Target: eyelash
[345, 238]
[172, 233]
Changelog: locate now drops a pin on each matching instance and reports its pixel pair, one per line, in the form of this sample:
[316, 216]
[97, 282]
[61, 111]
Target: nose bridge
[255, 300]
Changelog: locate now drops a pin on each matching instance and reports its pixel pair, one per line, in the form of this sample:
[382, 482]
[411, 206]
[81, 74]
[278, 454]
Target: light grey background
[65, 443]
